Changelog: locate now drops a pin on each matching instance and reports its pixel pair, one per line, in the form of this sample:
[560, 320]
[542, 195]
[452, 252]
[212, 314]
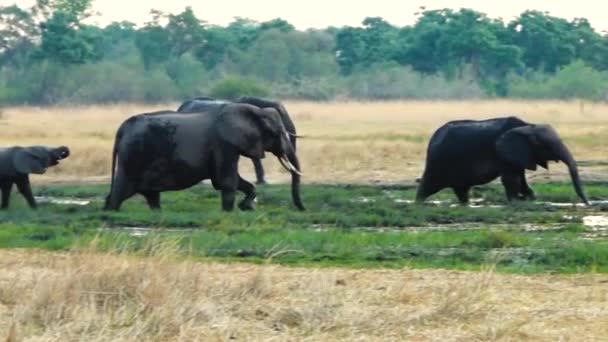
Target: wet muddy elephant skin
[168, 151]
[465, 153]
[201, 104]
[16, 163]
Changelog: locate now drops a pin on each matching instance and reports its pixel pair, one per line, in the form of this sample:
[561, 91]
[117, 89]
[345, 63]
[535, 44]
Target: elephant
[465, 153]
[200, 104]
[170, 151]
[17, 162]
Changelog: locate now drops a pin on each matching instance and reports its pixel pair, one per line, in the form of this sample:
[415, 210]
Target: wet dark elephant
[465, 153]
[167, 151]
[16, 163]
[206, 103]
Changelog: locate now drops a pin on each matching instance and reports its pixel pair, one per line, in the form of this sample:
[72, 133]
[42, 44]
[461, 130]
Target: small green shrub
[233, 87]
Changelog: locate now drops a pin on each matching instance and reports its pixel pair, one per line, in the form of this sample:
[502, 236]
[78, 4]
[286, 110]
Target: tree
[118, 39]
[18, 31]
[244, 32]
[153, 41]
[67, 41]
[277, 24]
[185, 32]
[363, 47]
[64, 37]
[544, 40]
[589, 45]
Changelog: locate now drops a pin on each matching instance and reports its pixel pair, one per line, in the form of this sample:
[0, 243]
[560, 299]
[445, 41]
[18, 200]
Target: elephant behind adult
[203, 104]
[17, 162]
[166, 151]
[465, 153]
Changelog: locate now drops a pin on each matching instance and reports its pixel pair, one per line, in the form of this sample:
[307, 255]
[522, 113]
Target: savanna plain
[362, 263]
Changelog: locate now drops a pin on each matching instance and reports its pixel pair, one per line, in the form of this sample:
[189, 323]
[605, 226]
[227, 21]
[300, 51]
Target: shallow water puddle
[144, 231]
[595, 221]
[528, 227]
[598, 227]
[62, 200]
[363, 200]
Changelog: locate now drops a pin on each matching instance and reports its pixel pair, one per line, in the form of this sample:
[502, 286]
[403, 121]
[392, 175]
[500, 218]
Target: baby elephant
[16, 163]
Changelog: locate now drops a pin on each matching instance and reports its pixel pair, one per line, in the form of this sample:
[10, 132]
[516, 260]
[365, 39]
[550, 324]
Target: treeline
[50, 55]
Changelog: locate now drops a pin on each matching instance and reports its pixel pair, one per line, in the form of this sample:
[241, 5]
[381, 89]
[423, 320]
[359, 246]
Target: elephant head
[253, 131]
[36, 159]
[528, 146]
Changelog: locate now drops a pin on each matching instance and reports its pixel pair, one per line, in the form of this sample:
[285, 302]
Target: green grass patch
[353, 226]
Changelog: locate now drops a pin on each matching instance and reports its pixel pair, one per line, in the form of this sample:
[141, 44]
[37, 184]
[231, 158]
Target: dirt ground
[100, 297]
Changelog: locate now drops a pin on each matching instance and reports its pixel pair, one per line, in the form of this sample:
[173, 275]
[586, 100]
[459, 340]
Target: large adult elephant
[201, 104]
[167, 150]
[17, 162]
[465, 153]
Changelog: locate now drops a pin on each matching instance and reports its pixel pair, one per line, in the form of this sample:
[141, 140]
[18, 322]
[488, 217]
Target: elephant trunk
[421, 192]
[295, 179]
[566, 157]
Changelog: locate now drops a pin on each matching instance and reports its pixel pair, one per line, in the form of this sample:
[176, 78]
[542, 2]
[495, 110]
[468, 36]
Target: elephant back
[7, 165]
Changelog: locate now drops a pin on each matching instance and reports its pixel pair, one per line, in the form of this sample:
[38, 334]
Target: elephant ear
[515, 148]
[239, 126]
[31, 160]
[266, 103]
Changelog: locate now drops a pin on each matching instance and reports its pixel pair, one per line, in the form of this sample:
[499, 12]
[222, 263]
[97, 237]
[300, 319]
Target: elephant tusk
[293, 168]
[283, 164]
[295, 135]
[289, 166]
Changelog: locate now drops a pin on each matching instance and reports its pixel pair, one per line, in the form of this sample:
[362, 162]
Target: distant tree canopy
[48, 55]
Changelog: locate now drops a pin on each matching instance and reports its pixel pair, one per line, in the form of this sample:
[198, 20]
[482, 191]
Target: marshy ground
[362, 262]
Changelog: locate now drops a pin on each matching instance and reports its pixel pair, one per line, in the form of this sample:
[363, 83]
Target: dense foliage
[48, 55]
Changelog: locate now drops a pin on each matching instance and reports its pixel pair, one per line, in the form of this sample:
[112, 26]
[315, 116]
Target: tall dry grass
[345, 141]
[87, 295]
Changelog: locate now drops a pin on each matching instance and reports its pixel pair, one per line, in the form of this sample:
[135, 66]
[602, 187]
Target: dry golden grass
[92, 296]
[346, 141]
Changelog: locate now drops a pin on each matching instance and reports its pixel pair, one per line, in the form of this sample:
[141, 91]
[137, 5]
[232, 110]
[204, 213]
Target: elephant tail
[114, 153]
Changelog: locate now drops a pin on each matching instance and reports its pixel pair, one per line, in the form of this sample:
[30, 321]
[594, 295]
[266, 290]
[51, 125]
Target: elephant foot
[247, 205]
[261, 181]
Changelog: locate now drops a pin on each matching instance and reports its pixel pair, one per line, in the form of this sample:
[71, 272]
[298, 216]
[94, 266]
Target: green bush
[390, 81]
[574, 81]
[233, 87]
[189, 75]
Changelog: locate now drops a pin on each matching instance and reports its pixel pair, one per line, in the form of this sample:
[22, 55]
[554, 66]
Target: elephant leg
[226, 177]
[153, 199]
[23, 185]
[462, 193]
[259, 171]
[6, 188]
[526, 190]
[121, 190]
[249, 190]
[512, 185]
[228, 197]
[228, 186]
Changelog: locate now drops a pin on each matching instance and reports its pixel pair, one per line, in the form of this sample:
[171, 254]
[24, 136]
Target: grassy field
[91, 296]
[364, 261]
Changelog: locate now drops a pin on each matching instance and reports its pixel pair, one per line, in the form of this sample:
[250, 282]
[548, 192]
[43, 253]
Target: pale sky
[322, 13]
